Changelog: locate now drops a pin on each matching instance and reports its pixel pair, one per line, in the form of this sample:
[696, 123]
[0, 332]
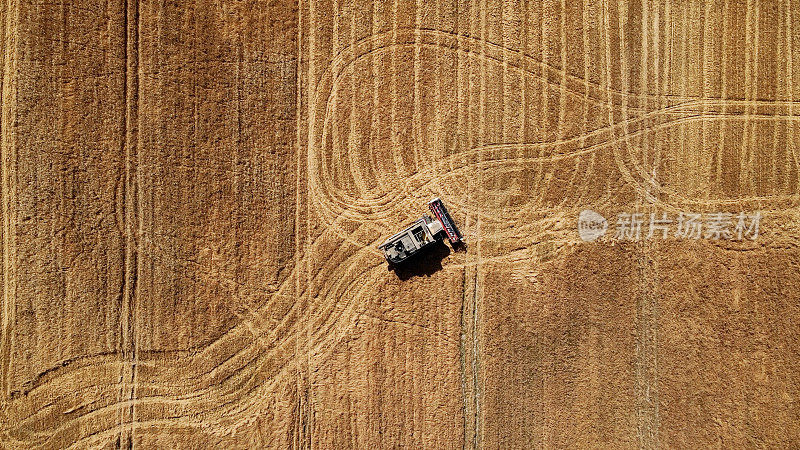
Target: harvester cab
[423, 233]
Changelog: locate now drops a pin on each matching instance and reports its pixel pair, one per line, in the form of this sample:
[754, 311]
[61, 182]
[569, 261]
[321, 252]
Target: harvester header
[438, 209]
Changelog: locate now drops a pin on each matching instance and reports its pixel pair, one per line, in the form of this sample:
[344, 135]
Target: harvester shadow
[423, 264]
[460, 246]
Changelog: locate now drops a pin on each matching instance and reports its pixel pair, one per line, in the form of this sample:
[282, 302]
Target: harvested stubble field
[192, 195]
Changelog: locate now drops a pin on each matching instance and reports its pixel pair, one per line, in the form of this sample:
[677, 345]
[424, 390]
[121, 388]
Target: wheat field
[193, 193]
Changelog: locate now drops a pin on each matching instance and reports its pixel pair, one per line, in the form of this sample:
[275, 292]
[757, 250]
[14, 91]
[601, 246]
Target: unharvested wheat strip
[504, 81]
[376, 165]
[496, 100]
[651, 145]
[791, 132]
[483, 96]
[624, 70]
[703, 164]
[788, 156]
[462, 89]
[355, 146]
[775, 183]
[523, 132]
[751, 152]
[397, 153]
[607, 79]
[627, 82]
[406, 19]
[604, 30]
[666, 44]
[417, 122]
[659, 71]
[590, 51]
[469, 106]
[341, 153]
[507, 31]
[692, 79]
[539, 175]
[644, 72]
[435, 153]
[786, 144]
[337, 150]
[580, 167]
[454, 92]
[682, 175]
[587, 56]
[562, 91]
[364, 167]
[744, 175]
[723, 94]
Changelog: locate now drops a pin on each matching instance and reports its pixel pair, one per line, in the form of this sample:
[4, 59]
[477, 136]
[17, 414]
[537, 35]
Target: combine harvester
[422, 234]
